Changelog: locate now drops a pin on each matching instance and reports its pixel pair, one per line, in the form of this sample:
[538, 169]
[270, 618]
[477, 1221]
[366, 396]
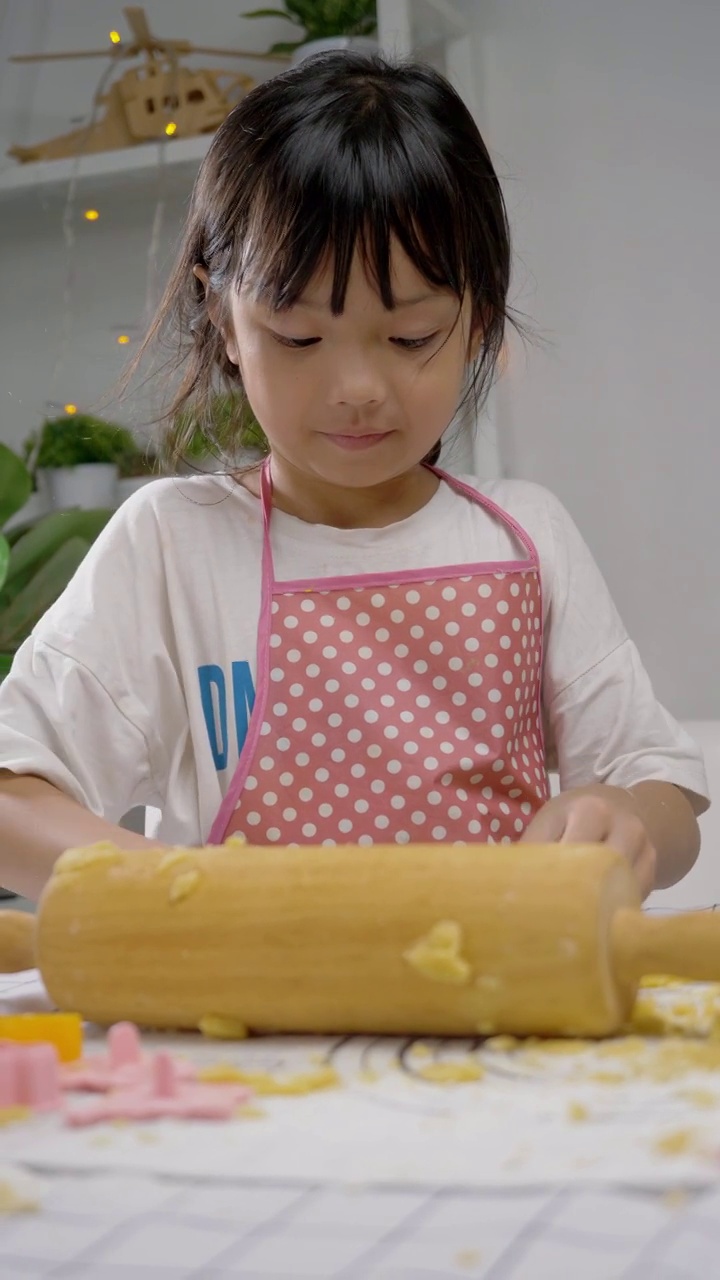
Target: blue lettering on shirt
[214, 702]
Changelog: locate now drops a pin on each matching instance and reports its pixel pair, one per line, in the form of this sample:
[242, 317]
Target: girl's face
[358, 399]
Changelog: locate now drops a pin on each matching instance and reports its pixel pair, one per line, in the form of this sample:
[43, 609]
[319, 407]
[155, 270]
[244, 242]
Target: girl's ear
[214, 310]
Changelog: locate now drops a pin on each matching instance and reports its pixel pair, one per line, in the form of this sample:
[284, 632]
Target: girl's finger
[589, 819]
[547, 826]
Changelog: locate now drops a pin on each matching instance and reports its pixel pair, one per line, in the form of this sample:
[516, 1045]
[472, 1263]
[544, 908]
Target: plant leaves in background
[76, 439]
[39, 556]
[41, 541]
[322, 19]
[15, 483]
[41, 591]
[270, 13]
[4, 559]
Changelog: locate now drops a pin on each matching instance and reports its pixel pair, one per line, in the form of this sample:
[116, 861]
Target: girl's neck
[317, 502]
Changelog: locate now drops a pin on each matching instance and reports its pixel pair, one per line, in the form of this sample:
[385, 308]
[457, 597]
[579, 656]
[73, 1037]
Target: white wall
[605, 121]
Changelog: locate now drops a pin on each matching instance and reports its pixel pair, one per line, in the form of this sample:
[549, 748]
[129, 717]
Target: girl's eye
[414, 344]
[296, 344]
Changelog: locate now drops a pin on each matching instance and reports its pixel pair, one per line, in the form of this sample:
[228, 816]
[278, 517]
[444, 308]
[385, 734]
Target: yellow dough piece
[437, 956]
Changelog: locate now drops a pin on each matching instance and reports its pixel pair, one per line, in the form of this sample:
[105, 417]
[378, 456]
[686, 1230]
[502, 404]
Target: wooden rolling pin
[416, 939]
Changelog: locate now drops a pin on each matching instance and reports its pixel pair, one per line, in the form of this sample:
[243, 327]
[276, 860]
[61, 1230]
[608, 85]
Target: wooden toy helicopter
[158, 99]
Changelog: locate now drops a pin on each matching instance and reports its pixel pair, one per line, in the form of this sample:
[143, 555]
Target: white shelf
[16, 178]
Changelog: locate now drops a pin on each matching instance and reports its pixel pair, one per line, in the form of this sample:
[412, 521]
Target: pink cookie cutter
[163, 1094]
[124, 1065]
[29, 1076]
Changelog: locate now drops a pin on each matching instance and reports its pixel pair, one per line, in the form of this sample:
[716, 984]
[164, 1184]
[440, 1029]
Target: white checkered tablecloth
[137, 1228]
[110, 1226]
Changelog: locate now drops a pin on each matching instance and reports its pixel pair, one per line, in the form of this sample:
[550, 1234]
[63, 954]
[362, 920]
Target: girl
[344, 644]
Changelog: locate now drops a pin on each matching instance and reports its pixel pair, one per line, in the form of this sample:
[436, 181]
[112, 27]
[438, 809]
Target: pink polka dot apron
[395, 707]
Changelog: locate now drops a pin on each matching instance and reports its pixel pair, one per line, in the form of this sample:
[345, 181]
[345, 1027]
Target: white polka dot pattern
[407, 712]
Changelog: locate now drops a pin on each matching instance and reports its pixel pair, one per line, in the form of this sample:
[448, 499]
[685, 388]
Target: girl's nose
[358, 383]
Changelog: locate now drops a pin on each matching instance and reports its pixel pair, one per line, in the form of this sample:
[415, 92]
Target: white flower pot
[88, 486]
[357, 44]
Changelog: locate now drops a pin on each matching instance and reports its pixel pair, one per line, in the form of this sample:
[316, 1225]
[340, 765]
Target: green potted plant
[37, 557]
[325, 24]
[75, 459]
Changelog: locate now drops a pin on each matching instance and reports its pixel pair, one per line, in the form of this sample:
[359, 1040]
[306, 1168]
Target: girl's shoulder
[190, 498]
[173, 515]
[564, 555]
[540, 513]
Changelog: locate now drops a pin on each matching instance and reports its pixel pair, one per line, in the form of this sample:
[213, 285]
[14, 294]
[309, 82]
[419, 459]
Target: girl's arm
[38, 822]
[652, 823]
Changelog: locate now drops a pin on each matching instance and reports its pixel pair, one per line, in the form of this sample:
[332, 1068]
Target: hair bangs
[352, 191]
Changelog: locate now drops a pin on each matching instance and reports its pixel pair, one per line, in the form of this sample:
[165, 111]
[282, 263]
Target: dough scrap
[103, 853]
[437, 955]
[183, 885]
[218, 1027]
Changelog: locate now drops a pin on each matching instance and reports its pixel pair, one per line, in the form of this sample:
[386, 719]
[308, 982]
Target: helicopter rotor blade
[114, 51]
[238, 53]
[136, 19]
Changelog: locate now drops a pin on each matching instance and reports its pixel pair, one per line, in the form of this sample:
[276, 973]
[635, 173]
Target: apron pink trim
[408, 575]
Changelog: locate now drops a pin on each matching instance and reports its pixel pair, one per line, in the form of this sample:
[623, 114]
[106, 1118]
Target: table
[130, 1225]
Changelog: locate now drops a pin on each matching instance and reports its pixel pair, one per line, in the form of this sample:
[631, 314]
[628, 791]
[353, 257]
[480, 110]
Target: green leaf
[41, 542]
[15, 534]
[4, 558]
[17, 621]
[6, 661]
[285, 46]
[15, 483]
[304, 11]
[269, 13]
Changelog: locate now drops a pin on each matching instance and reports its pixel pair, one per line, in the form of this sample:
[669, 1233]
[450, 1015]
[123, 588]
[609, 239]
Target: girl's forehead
[409, 287]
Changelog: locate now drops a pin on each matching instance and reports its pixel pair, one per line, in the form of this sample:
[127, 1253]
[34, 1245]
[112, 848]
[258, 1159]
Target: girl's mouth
[354, 441]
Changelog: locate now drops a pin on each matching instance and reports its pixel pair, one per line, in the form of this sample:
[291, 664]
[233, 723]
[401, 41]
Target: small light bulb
[70, 408]
[91, 215]
[123, 339]
[115, 37]
[171, 128]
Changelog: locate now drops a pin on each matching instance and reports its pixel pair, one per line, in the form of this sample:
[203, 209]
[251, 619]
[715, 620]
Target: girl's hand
[598, 815]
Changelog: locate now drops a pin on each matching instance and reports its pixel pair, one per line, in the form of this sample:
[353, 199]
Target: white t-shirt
[136, 686]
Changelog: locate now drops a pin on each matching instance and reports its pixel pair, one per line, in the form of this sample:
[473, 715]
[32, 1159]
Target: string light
[70, 408]
[91, 215]
[115, 37]
[170, 128]
[123, 339]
